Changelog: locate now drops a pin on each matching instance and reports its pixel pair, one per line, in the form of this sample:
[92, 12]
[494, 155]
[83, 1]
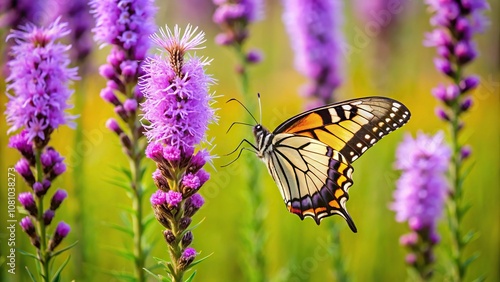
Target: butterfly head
[263, 137]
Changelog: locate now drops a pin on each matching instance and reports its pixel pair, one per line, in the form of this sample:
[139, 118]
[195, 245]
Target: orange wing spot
[320, 210]
[342, 168]
[334, 204]
[339, 193]
[341, 180]
[311, 121]
[311, 211]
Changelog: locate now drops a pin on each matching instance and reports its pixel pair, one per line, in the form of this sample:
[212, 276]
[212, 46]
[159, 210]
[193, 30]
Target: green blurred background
[294, 249]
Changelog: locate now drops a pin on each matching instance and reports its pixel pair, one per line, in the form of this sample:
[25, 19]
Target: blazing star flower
[315, 36]
[421, 193]
[39, 79]
[178, 108]
[177, 103]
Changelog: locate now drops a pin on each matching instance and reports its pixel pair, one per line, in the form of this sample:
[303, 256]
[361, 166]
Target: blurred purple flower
[315, 35]
[77, 14]
[14, 13]
[421, 190]
[125, 23]
[421, 193]
[39, 78]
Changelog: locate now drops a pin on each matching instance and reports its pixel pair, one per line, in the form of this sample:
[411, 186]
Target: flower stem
[255, 233]
[78, 180]
[136, 185]
[340, 272]
[455, 209]
[43, 254]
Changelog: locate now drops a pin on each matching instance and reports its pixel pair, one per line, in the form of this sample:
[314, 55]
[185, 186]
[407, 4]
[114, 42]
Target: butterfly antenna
[234, 99]
[260, 108]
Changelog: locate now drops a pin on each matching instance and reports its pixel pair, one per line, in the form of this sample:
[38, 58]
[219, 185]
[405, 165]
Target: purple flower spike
[57, 199]
[422, 188]
[173, 198]
[39, 99]
[23, 168]
[314, 32]
[469, 83]
[176, 91]
[21, 143]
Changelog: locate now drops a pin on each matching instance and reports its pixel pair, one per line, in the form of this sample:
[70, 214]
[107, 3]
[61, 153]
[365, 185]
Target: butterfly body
[309, 156]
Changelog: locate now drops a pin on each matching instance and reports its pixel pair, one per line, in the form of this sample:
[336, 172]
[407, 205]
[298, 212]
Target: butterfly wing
[349, 127]
[313, 178]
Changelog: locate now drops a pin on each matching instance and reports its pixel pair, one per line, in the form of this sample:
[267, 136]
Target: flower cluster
[234, 17]
[315, 36]
[420, 195]
[126, 25]
[455, 23]
[177, 107]
[39, 79]
[77, 14]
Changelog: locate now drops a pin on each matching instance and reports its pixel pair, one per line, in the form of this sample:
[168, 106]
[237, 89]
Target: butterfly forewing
[349, 127]
[312, 177]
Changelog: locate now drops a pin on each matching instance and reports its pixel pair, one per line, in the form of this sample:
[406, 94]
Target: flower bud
[28, 202]
[57, 199]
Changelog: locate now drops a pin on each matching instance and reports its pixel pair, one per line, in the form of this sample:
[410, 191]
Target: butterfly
[310, 155]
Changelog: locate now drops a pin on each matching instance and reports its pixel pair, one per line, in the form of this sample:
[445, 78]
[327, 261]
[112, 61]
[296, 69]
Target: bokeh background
[395, 65]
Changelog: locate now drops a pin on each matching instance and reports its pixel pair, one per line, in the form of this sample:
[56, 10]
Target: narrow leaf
[60, 269]
[190, 278]
[198, 261]
[30, 274]
[27, 254]
[54, 254]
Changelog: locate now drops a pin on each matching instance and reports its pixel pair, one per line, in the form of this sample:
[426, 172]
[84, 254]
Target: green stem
[78, 180]
[137, 206]
[43, 254]
[455, 204]
[340, 272]
[175, 248]
[255, 233]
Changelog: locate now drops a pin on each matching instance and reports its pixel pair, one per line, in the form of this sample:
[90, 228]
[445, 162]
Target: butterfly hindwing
[313, 178]
[349, 127]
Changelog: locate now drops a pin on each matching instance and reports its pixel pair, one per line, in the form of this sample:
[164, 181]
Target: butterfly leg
[239, 145]
[239, 154]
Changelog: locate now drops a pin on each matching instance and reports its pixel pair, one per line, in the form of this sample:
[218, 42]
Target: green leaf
[120, 228]
[152, 273]
[198, 261]
[148, 219]
[30, 274]
[54, 254]
[191, 277]
[123, 253]
[124, 276]
[57, 275]
[468, 261]
[468, 237]
[480, 278]
[28, 254]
